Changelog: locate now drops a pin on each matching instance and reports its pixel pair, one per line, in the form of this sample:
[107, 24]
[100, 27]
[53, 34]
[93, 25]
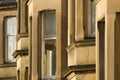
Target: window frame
[6, 60]
[45, 41]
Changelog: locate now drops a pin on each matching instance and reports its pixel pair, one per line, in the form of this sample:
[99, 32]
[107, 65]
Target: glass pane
[50, 58]
[11, 25]
[11, 47]
[49, 24]
[91, 18]
[50, 63]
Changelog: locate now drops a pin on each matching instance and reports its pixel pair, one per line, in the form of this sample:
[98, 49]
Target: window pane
[49, 24]
[11, 25]
[91, 18]
[11, 47]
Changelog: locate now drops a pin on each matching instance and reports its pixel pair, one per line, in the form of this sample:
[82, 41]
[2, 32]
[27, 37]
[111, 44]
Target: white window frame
[8, 35]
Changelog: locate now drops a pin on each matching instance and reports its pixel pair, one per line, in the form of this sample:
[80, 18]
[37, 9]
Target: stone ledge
[7, 65]
[85, 42]
[79, 69]
[81, 43]
[20, 52]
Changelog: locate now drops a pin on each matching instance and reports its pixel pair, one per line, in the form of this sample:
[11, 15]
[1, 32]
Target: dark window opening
[101, 29]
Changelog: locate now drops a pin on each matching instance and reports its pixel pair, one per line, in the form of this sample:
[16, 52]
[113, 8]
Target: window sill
[7, 65]
[5, 6]
[85, 42]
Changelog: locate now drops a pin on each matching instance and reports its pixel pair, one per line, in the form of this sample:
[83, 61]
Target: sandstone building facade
[107, 39]
[59, 39]
[8, 29]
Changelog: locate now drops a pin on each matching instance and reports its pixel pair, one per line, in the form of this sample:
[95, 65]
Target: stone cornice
[81, 43]
[79, 69]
